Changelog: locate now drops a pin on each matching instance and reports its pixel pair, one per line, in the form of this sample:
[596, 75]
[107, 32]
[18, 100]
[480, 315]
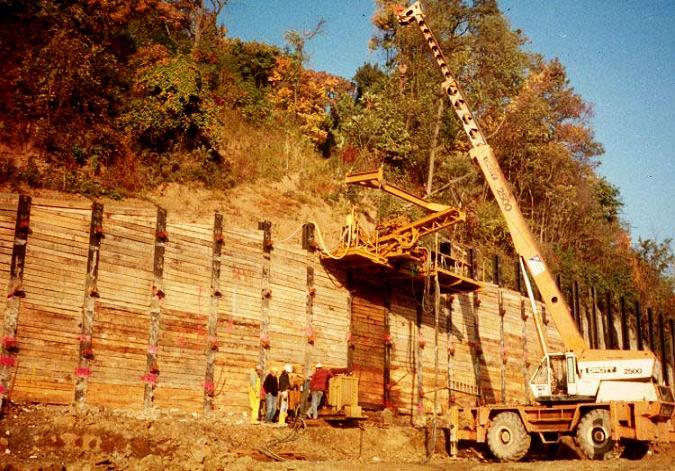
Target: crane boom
[481, 152]
[523, 240]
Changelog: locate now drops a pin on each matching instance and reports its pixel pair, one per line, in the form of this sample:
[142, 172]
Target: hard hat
[319, 365]
[288, 367]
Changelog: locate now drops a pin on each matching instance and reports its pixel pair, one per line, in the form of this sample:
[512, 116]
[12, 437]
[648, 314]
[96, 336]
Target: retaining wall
[135, 310]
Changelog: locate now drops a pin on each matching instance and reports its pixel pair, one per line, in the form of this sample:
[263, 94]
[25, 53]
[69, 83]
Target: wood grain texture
[475, 352]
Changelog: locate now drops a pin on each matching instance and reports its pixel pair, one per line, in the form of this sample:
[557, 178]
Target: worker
[284, 388]
[254, 393]
[318, 386]
[271, 387]
[349, 230]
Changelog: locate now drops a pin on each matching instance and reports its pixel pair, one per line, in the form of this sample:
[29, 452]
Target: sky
[619, 56]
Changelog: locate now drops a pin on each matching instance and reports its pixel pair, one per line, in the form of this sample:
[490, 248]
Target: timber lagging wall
[487, 345]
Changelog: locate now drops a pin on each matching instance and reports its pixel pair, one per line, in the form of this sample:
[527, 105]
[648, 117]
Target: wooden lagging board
[464, 384]
[238, 321]
[120, 333]
[331, 318]
[432, 379]
[48, 323]
[404, 345]
[183, 322]
[368, 337]
[288, 330]
[52, 310]
[8, 207]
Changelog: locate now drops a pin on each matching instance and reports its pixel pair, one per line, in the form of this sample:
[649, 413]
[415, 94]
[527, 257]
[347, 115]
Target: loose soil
[58, 437]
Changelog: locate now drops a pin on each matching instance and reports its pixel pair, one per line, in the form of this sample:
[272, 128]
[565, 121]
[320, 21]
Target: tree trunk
[434, 142]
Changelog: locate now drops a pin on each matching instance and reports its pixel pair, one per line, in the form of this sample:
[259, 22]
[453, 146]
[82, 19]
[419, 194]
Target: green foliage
[171, 106]
[242, 78]
[374, 124]
[369, 78]
[658, 256]
[121, 96]
[609, 198]
[537, 125]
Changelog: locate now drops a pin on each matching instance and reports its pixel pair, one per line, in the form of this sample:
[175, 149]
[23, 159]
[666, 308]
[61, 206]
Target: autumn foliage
[114, 97]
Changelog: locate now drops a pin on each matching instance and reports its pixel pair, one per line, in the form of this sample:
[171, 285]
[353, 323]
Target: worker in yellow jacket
[254, 393]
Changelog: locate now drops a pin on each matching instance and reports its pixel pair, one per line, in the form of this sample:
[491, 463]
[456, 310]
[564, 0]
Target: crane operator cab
[561, 378]
[556, 380]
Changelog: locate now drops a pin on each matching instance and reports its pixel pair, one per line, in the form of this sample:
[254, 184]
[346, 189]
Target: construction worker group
[277, 392]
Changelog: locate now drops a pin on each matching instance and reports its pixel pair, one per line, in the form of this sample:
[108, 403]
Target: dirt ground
[57, 437]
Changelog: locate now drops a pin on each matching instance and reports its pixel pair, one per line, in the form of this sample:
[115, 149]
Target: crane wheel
[594, 434]
[507, 438]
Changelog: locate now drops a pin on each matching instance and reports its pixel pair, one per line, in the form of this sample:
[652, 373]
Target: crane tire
[507, 438]
[594, 434]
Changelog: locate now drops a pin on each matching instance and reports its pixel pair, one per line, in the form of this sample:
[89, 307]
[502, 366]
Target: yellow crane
[585, 382]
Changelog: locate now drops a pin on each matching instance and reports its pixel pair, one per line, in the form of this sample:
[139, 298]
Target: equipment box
[343, 395]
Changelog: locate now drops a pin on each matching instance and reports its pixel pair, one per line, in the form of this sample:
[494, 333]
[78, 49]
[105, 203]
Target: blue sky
[619, 55]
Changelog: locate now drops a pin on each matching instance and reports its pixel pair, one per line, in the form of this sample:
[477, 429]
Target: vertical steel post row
[526, 360]
[662, 341]
[212, 323]
[447, 311]
[625, 334]
[638, 326]
[387, 346]
[519, 286]
[152, 368]
[15, 292]
[502, 340]
[350, 307]
[91, 294]
[577, 308]
[593, 324]
[472, 263]
[265, 294]
[611, 337]
[437, 315]
[419, 409]
[307, 238]
[650, 329]
[477, 349]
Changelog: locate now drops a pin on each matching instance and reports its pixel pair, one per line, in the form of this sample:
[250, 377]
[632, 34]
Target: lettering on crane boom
[500, 191]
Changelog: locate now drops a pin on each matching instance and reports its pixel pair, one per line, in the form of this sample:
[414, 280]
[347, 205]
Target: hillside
[152, 100]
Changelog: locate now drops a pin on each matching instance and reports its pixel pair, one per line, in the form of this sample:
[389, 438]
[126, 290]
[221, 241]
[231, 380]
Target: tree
[297, 41]
[203, 16]
[310, 101]
[369, 78]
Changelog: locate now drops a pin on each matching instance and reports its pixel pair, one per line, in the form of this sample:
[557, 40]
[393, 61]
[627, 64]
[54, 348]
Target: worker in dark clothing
[284, 387]
[271, 387]
[318, 385]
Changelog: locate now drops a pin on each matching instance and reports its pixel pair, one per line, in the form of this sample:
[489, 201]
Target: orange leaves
[307, 95]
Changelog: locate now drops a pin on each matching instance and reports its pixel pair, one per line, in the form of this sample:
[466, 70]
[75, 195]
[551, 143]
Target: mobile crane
[600, 396]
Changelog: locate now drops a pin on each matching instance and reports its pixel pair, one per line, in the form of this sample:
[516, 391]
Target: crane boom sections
[450, 85]
[523, 241]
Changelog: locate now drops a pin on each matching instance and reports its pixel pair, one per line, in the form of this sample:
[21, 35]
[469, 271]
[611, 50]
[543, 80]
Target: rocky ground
[50, 437]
